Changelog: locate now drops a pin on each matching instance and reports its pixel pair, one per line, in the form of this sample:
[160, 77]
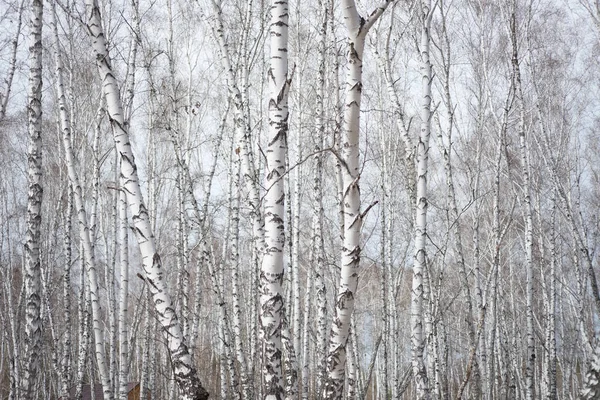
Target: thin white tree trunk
[4, 97]
[318, 245]
[551, 362]
[234, 266]
[417, 309]
[66, 360]
[524, 150]
[306, 342]
[83, 313]
[184, 371]
[123, 297]
[33, 292]
[357, 28]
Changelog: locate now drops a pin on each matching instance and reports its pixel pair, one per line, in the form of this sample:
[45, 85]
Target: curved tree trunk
[184, 371]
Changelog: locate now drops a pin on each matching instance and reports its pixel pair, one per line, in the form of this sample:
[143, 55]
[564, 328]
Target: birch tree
[419, 265]
[271, 278]
[184, 371]
[357, 28]
[123, 298]
[5, 95]
[33, 290]
[530, 362]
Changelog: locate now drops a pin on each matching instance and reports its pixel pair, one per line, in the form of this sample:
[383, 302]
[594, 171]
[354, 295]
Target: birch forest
[285, 199]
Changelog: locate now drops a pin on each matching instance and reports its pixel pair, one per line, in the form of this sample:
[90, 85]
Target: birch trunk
[183, 369]
[530, 357]
[318, 245]
[271, 278]
[33, 322]
[417, 299]
[123, 298]
[306, 342]
[83, 314]
[551, 318]
[66, 361]
[234, 266]
[4, 97]
[357, 28]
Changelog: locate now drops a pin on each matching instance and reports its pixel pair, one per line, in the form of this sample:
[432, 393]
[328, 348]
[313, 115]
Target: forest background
[365, 200]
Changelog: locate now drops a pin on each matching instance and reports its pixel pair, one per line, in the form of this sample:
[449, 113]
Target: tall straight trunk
[123, 297]
[384, 285]
[33, 321]
[357, 28]
[146, 384]
[271, 277]
[84, 318]
[15, 360]
[417, 309]
[306, 342]
[524, 150]
[66, 360]
[318, 244]
[551, 359]
[184, 371]
[295, 257]
[234, 266]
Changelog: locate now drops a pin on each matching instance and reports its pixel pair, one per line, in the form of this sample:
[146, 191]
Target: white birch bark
[66, 360]
[123, 297]
[183, 369]
[145, 373]
[551, 393]
[318, 245]
[305, 382]
[417, 311]
[271, 300]
[524, 150]
[122, 222]
[33, 322]
[357, 28]
[4, 97]
[234, 266]
[83, 332]
[295, 224]
[15, 358]
[384, 277]
[591, 383]
[290, 363]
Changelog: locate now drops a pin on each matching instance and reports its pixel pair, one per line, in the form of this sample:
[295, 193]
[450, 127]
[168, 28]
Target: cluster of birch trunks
[300, 199]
